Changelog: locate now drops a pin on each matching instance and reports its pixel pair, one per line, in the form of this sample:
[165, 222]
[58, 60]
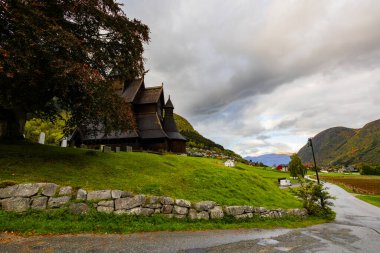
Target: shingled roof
[150, 95]
[150, 126]
[131, 89]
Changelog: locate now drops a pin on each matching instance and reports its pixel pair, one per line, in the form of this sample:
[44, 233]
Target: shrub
[369, 170]
[315, 198]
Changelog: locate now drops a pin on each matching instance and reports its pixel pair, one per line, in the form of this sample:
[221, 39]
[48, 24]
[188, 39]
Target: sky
[261, 76]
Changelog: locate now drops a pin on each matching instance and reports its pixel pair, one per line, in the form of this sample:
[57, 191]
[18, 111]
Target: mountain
[196, 140]
[344, 146]
[270, 159]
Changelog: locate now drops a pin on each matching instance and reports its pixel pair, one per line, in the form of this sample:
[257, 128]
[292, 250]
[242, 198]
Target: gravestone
[41, 139]
[101, 147]
[117, 149]
[106, 149]
[64, 143]
[129, 148]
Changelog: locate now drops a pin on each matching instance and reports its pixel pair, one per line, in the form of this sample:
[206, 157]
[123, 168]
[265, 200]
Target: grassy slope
[171, 175]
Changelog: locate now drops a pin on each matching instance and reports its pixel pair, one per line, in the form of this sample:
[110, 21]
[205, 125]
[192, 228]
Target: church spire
[169, 104]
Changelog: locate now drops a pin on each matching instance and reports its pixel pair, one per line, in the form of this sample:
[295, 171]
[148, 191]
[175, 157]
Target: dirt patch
[357, 184]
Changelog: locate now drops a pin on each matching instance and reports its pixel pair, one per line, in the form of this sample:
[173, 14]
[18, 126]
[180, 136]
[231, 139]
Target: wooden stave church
[155, 126]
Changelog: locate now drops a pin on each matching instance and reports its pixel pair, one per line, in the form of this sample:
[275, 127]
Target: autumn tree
[63, 56]
[295, 167]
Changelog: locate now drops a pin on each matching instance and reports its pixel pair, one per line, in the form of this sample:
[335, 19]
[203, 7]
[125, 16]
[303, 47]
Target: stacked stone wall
[44, 196]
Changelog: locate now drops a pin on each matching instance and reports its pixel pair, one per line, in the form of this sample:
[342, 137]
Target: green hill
[344, 146]
[191, 178]
[196, 140]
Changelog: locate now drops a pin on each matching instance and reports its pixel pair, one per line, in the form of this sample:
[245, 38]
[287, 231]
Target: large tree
[63, 55]
[296, 168]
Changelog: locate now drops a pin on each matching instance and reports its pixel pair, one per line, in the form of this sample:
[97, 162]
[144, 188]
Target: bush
[315, 198]
[369, 170]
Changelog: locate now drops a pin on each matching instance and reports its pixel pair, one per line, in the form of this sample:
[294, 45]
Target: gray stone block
[49, 189]
[216, 213]
[140, 211]
[244, 216]
[203, 215]
[82, 194]
[129, 203]
[107, 203]
[79, 208]
[180, 210]
[153, 202]
[260, 210]
[8, 192]
[16, 204]
[204, 205]
[166, 201]
[120, 212]
[19, 190]
[183, 203]
[39, 203]
[99, 195]
[234, 210]
[167, 209]
[248, 209]
[193, 214]
[65, 190]
[58, 202]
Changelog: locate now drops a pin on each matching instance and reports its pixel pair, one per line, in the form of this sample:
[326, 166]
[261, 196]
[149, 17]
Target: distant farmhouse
[155, 126]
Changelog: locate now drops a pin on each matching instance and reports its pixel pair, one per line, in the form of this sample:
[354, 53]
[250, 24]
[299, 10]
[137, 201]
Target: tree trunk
[12, 124]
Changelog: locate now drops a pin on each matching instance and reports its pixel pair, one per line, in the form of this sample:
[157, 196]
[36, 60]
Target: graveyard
[192, 178]
[179, 177]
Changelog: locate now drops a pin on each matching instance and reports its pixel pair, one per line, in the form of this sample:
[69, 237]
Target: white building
[229, 163]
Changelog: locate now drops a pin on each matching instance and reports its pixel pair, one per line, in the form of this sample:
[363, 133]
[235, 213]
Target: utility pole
[310, 144]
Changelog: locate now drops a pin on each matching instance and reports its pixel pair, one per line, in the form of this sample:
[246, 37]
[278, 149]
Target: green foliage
[53, 129]
[181, 177]
[64, 55]
[366, 169]
[296, 168]
[182, 123]
[60, 221]
[315, 198]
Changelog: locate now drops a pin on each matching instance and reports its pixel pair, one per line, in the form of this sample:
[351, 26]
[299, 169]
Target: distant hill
[270, 159]
[196, 140]
[344, 146]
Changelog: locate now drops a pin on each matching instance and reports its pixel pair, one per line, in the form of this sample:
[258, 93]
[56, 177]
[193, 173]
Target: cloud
[282, 69]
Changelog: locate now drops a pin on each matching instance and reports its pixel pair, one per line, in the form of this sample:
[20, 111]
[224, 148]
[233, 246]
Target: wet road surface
[356, 229]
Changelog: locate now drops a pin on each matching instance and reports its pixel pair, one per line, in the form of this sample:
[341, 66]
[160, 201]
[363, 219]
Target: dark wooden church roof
[150, 95]
[169, 104]
[131, 89]
[150, 127]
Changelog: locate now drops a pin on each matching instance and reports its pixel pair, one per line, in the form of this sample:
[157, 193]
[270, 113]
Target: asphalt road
[356, 229]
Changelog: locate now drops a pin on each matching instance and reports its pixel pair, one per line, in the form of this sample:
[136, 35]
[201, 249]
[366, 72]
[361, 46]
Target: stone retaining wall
[41, 196]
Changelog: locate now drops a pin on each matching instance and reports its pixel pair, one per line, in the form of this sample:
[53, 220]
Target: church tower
[177, 143]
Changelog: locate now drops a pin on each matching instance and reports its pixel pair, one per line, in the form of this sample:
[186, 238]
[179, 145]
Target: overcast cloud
[262, 76]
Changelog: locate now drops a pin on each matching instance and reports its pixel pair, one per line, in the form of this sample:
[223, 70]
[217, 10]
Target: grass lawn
[190, 178]
[58, 222]
[372, 199]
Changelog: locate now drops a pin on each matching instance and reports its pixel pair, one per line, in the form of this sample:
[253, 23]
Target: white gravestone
[64, 143]
[41, 139]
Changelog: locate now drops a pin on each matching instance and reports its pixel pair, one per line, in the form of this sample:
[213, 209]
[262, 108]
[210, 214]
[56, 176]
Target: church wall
[177, 146]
